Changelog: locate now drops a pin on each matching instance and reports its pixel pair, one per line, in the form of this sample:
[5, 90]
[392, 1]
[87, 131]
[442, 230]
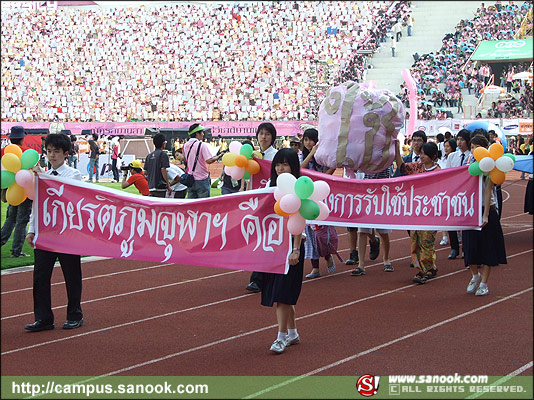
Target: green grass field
[11, 262]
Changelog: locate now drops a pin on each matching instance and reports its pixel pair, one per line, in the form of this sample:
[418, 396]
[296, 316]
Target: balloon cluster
[492, 162]
[15, 177]
[238, 161]
[300, 199]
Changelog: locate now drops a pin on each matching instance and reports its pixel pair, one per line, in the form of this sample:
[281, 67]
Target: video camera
[125, 168]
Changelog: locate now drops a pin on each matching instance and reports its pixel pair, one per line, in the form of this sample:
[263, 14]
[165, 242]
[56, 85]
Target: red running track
[152, 319]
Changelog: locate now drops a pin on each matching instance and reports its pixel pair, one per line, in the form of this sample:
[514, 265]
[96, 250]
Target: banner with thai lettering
[447, 199]
[237, 231]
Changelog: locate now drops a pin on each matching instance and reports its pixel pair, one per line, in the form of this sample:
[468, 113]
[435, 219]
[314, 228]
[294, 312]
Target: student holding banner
[266, 137]
[421, 242]
[284, 290]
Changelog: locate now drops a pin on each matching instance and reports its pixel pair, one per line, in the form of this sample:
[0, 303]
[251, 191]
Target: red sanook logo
[367, 385]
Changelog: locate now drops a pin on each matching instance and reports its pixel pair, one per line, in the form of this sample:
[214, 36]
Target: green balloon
[246, 150]
[246, 175]
[509, 155]
[309, 209]
[28, 159]
[7, 178]
[304, 187]
[474, 169]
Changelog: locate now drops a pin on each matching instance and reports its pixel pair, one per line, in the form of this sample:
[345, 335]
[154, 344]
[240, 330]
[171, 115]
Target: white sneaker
[278, 346]
[473, 283]
[482, 291]
[291, 342]
[444, 241]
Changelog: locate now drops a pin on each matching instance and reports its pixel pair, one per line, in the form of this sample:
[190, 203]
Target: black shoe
[39, 326]
[419, 278]
[453, 255]
[19, 255]
[253, 287]
[375, 248]
[353, 258]
[72, 324]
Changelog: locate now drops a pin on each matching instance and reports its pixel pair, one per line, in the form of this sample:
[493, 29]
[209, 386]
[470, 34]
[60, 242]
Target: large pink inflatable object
[358, 126]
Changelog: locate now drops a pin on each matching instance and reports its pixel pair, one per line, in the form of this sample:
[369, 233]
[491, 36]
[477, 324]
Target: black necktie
[55, 172]
[462, 159]
[416, 158]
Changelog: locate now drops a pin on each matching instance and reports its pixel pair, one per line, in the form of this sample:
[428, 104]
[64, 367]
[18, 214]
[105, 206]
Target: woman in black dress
[284, 290]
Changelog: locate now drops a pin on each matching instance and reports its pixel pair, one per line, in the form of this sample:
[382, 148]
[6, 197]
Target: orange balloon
[15, 194]
[252, 167]
[496, 151]
[480, 153]
[241, 161]
[14, 149]
[279, 211]
[497, 176]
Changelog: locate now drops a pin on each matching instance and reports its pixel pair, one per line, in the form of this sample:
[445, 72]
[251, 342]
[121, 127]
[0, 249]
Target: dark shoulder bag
[188, 179]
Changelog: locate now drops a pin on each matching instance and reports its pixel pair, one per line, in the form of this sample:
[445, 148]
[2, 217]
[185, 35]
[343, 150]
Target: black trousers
[42, 274]
[114, 169]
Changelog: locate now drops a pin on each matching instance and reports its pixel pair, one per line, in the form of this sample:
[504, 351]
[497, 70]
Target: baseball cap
[136, 164]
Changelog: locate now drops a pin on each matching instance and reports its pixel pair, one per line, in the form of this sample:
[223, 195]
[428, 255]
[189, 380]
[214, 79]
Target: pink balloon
[30, 191]
[412, 98]
[296, 224]
[234, 147]
[321, 191]
[290, 203]
[237, 173]
[324, 211]
[24, 177]
[277, 194]
[228, 170]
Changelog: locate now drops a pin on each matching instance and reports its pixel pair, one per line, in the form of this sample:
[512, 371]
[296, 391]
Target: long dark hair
[311, 134]
[286, 155]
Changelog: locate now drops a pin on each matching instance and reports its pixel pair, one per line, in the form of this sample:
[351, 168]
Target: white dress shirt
[269, 153]
[64, 171]
[455, 159]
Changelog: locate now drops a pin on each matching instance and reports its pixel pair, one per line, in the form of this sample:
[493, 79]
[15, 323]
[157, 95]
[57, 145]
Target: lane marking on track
[400, 289]
[133, 292]
[383, 345]
[222, 274]
[503, 379]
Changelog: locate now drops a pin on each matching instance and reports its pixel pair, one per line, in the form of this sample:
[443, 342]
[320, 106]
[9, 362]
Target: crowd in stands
[451, 66]
[179, 62]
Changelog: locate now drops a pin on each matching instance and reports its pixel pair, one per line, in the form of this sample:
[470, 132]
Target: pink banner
[447, 199]
[238, 231]
[223, 128]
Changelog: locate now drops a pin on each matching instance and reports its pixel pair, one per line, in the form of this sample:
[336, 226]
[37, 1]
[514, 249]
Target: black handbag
[188, 179]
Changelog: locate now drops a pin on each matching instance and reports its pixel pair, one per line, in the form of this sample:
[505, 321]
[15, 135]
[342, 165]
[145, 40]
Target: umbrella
[523, 163]
[492, 89]
[429, 77]
[522, 75]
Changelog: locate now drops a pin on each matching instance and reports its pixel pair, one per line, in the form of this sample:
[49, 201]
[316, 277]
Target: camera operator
[137, 178]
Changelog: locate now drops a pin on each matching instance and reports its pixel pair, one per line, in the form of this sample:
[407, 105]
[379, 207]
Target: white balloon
[234, 147]
[321, 191]
[286, 183]
[505, 164]
[486, 164]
